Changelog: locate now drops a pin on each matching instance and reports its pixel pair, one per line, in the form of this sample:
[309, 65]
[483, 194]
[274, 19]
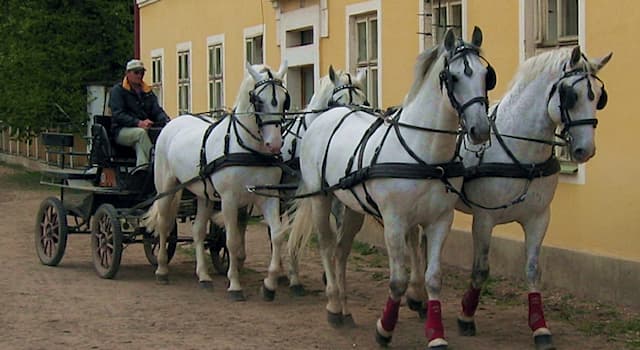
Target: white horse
[338, 88]
[515, 179]
[228, 155]
[400, 169]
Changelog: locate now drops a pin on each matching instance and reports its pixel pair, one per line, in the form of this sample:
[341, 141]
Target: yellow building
[196, 50]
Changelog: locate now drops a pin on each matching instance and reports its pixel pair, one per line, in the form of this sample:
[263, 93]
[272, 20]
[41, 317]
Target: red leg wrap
[470, 301]
[536, 315]
[390, 315]
[433, 327]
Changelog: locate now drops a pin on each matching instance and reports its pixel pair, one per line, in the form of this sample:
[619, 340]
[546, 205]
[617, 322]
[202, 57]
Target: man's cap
[135, 65]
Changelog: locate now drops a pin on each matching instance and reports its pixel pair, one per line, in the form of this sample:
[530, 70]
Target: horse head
[574, 100]
[466, 80]
[270, 99]
[347, 90]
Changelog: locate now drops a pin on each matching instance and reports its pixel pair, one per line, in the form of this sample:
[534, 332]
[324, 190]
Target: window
[156, 77]
[300, 37]
[556, 22]
[216, 81]
[440, 15]
[366, 53]
[184, 82]
[254, 49]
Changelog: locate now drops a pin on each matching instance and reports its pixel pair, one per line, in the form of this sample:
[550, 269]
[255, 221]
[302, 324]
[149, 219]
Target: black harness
[419, 170]
[551, 166]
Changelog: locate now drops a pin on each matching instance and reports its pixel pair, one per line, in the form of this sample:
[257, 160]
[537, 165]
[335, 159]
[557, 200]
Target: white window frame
[250, 34]
[353, 13]
[157, 63]
[215, 42]
[528, 47]
[181, 50]
[541, 25]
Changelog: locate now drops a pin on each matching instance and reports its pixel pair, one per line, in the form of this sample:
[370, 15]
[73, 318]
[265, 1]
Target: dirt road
[69, 307]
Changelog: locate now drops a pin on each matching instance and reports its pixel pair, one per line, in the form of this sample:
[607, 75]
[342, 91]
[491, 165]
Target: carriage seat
[105, 151]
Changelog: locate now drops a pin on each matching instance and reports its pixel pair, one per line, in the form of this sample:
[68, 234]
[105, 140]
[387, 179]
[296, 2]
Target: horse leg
[436, 235]
[350, 225]
[166, 211]
[395, 232]
[535, 229]
[243, 220]
[481, 231]
[416, 291]
[234, 240]
[199, 227]
[271, 212]
[320, 209]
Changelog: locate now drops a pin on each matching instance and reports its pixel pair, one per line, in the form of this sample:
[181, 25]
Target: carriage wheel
[152, 243]
[51, 231]
[217, 242]
[106, 241]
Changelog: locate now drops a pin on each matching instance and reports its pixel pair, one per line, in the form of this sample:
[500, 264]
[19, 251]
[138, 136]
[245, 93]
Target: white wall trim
[357, 9]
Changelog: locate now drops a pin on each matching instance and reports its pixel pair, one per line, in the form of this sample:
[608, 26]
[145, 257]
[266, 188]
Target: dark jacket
[129, 107]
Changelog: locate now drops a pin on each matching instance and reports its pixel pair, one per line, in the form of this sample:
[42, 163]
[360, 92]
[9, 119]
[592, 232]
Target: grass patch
[20, 178]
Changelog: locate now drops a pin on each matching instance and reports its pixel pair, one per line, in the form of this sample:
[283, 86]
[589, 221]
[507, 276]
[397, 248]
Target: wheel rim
[50, 231]
[104, 243]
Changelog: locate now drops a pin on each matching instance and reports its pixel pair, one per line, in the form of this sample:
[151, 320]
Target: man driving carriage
[135, 109]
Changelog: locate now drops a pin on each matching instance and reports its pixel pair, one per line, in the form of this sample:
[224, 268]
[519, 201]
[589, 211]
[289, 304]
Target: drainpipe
[136, 30]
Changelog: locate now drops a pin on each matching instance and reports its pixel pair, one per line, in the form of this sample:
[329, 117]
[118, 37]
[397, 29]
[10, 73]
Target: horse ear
[476, 37]
[282, 71]
[450, 40]
[575, 56]
[332, 75]
[254, 73]
[599, 63]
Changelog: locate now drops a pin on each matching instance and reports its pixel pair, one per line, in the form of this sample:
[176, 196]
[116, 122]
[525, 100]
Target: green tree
[50, 50]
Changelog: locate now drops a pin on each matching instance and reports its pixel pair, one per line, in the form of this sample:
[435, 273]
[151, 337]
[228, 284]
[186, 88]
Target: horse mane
[425, 61]
[321, 97]
[549, 62]
[242, 103]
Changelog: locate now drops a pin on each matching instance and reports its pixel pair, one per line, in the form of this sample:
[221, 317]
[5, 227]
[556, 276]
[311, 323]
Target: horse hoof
[283, 281]
[335, 319]
[348, 321]
[418, 307]
[543, 342]
[297, 290]
[382, 340]
[267, 294]
[466, 328]
[236, 295]
[162, 279]
[207, 285]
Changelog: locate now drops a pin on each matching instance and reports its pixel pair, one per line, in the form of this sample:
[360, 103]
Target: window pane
[440, 22]
[456, 19]
[218, 61]
[212, 105]
[373, 29]
[569, 17]
[362, 41]
[257, 41]
[306, 37]
[186, 66]
[210, 70]
[307, 84]
[552, 22]
[218, 94]
[248, 48]
[373, 93]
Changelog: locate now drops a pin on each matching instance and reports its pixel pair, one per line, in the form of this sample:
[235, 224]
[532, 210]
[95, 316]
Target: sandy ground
[69, 307]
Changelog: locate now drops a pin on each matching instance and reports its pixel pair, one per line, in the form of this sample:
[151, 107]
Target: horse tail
[150, 218]
[301, 228]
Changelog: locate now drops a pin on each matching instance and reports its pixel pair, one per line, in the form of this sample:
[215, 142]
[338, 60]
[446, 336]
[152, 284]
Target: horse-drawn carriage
[107, 201]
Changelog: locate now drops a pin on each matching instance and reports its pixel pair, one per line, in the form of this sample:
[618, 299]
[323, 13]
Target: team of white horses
[443, 149]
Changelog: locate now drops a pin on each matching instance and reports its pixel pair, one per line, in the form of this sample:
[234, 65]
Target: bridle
[568, 98]
[258, 104]
[352, 89]
[448, 80]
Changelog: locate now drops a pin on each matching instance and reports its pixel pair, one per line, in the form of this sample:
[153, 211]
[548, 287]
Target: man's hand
[145, 124]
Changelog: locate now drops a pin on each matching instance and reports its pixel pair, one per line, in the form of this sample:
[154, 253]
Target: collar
[127, 86]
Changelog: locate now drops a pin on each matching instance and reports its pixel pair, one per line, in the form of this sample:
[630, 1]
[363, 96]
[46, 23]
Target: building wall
[598, 217]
